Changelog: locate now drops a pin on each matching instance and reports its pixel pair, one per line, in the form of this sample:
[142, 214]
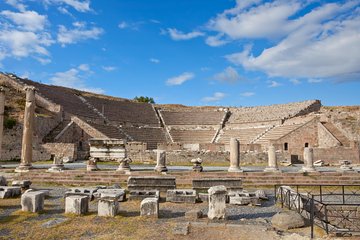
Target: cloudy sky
[219, 52]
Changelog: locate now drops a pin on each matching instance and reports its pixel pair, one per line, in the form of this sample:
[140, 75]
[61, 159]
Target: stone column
[217, 202]
[2, 107]
[27, 139]
[124, 164]
[161, 161]
[234, 156]
[272, 161]
[308, 160]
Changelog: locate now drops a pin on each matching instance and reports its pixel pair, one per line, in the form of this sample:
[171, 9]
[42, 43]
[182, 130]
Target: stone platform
[184, 179]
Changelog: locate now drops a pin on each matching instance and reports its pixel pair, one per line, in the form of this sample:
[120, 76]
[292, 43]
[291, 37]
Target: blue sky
[220, 52]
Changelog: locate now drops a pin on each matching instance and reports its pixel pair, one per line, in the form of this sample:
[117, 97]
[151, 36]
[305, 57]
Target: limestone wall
[61, 149]
[326, 139]
[336, 154]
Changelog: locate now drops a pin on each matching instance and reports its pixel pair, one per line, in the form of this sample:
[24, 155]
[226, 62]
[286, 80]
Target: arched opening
[286, 146]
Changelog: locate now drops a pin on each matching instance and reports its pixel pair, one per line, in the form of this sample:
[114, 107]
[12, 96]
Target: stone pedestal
[272, 161]
[234, 156]
[161, 161]
[77, 204]
[217, 200]
[197, 164]
[2, 107]
[91, 165]
[108, 207]
[149, 207]
[32, 201]
[124, 164]
[308, 160]
[57, 165]
[345, 166]
[27, 140]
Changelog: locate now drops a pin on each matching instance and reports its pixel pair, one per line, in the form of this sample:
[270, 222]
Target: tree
[144, 99]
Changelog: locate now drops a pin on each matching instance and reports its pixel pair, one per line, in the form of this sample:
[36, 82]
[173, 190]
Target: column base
[235, 169]
[123, 169]
[23, 168]
[91, 168]
[307, 169]
[56, 168]
[160, 169]
[272, 169]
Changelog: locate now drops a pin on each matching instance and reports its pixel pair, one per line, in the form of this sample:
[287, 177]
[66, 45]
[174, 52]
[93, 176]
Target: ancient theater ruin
[97, 154]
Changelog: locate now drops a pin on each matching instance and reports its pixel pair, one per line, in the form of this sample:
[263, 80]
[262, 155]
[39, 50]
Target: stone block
[32, 201]
[217, 202]
[77, 204]
[140, 195]
[149, 207]
[142, 183]
[82, 191]
[287, 220]
[237, 200]
[181, 196]
[193, 214]
[206, 183]
[261, 194]
[3, 181]
[9, 192]
[108, 207]
[24, 184]
[118, 194]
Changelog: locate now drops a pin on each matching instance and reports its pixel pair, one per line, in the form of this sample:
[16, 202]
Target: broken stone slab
[193, 214]
[217, 202]
[3, 181]
[9, 192]
[140, 195]
[32, 201]
[181, 196]
[151, 183]
[77, 204]
[319, 163]
[82, 191]
[261, 194]
[53, 222]
[118, 194]
[197, 164]
[237, 200]
[287, 220]
[24, 184]
[108, 207]
[181, 229]
[149, 207]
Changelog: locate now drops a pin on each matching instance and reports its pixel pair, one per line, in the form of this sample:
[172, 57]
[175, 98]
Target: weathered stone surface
[308, 160]
[261, 194]
[141, 183]
[237, 200]
[53, 222]
[3, 181]
[91, 165]
[217, 201]
[197, 164]
[140, 195]
[9, 192]
[231, 184]
[181, 196]
[124, 164]
[108, 207]
[107, 148]
[77, 204]
[193, 214]
[24, 184]
[2, 111]
[32, 201]
[181, 229]
[203, 197]
[234, 156]
[82, 191]
[149, 207]
[287, 220]
[118, 194]
[272, 161]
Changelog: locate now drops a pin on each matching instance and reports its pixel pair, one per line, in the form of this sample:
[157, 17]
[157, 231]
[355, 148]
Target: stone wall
[326, 139]
[336, 154]
[44, 124]
[61, 149]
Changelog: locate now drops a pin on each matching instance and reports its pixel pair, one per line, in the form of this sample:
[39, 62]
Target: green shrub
[9, 123]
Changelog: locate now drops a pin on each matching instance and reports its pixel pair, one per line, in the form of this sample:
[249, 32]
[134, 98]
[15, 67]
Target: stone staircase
[276, 133]
[56, 131]
[337, 134]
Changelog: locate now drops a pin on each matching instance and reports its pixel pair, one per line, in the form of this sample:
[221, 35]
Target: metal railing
[335, 208]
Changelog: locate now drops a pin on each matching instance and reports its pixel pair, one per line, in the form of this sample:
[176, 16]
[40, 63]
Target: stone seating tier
[125, 111]
[151, 135]
[193, 118]
[192, 136]
[245, 135]
[277, 132]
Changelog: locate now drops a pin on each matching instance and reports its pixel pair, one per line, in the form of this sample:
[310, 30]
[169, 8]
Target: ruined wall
[336, 154]
[44, 124]
[326, 139]
[61, 149]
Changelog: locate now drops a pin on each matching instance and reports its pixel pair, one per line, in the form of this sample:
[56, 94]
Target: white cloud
[84, 67]
[295, 81]
[229, 75]
[247, 94]
[27, 20]
[19, 44]
[205, 69]
[273, 84]
[322, 42]
[154, 60]
[217, 96]
[78, 5]
[178, 35]
[178, 80]
[72, 79]
[109, 68]
[131, 25]
[17, 4]
[314, 80]
[123, 25]
[79, 33]
[216, 41]
[64, 11]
